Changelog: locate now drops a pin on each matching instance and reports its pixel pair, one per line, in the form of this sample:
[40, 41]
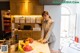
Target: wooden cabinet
[36, 35]
[26, 7]
[30, 8]
[24, 34]
[35, 9]
[20, 8]
[17, 8]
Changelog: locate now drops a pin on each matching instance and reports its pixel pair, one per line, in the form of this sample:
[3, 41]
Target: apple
[30, 40]
[27, 48]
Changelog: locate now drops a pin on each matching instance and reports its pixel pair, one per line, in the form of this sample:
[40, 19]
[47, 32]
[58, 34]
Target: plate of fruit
[24, 46]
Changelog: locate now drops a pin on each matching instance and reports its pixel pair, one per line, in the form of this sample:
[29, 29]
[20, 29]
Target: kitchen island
[38, 47]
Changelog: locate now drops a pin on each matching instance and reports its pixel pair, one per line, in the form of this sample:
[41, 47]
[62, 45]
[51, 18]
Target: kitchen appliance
[27, 27]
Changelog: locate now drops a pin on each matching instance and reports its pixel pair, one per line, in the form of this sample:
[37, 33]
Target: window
[68, 27]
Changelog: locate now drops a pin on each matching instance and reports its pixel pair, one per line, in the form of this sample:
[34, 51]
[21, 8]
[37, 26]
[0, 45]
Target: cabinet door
[20, 8]
[26, 34]
[30, 8]
[13, 8]
[23, 34]
[38, 9]
[34, 8]
[36, 35]
[26, 7]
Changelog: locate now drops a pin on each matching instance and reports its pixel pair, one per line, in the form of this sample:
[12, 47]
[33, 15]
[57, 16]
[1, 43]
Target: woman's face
[45, 16]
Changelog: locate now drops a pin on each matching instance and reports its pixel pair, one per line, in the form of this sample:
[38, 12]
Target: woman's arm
[42, 34]
[49, 32]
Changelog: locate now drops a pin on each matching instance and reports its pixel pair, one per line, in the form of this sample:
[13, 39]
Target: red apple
[30, 40]
[27, 48]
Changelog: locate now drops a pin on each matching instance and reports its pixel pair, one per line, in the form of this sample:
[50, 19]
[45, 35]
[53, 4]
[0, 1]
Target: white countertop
[39, 47]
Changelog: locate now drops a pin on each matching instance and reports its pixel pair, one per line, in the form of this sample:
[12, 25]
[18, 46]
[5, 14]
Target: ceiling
[51, 2]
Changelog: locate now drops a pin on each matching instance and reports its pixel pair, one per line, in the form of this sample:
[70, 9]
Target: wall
[55, 13]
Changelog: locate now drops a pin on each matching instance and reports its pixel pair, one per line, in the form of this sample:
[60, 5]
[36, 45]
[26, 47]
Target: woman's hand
[40, 40]
[44, 41]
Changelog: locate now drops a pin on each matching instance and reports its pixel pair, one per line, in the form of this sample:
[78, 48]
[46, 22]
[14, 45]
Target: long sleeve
[49, 31]
[42, 33]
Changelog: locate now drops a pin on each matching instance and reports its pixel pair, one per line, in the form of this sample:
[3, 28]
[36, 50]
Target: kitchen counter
[38, 47]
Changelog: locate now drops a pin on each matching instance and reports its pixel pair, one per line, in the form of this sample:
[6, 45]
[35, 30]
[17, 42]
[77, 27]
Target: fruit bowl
[25, 45]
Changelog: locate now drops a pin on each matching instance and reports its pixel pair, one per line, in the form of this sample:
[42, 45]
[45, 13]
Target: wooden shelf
[7, 31]
[7, 24]
[6, 21]
[23, 34]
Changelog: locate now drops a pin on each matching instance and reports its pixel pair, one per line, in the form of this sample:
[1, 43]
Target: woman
[47, 34]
